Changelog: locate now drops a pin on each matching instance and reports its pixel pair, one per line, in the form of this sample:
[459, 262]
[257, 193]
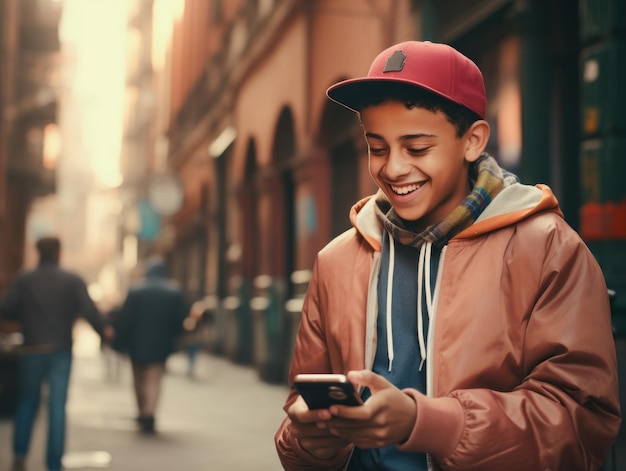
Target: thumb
[368, 379]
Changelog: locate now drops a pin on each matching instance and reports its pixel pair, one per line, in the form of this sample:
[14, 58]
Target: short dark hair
[48, 248]
[459, 116]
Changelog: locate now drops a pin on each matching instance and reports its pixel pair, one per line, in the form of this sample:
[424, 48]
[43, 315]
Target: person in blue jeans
[46, 301]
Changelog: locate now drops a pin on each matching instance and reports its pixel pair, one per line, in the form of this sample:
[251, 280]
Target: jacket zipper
[429, 345]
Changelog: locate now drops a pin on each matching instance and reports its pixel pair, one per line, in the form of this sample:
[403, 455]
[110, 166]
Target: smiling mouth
[405, 190]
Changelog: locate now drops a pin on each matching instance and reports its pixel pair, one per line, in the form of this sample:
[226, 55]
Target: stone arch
[283, 196]
[249, 222]
[340, 137]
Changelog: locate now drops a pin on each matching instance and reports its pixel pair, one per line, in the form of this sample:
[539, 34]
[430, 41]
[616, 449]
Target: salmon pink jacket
[521, 365]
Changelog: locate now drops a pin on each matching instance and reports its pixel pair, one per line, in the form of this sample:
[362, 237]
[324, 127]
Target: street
[223, 419]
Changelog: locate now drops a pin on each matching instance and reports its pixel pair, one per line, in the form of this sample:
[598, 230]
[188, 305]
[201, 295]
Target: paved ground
[223, 420]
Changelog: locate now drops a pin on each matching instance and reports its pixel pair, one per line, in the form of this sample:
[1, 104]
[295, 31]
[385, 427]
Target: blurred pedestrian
[191, 340]
[147, 329]
[46, 301]
[111, 357]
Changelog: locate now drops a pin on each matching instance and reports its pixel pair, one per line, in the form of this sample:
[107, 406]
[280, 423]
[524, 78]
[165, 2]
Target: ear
[476, 139]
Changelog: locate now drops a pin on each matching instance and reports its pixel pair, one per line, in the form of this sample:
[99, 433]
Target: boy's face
[416, 158]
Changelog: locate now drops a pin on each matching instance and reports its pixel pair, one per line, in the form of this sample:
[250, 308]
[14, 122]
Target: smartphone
[320, 391]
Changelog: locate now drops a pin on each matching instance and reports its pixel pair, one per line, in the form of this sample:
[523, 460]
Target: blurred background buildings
[200, 130]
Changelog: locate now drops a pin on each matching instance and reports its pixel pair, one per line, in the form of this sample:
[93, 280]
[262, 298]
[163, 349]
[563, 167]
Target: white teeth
[403, 190]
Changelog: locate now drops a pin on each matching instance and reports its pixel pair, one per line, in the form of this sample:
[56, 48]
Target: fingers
[387, 417]
[300, 412]
[307, 423]
[369, 379]
[375, 383]
[322, 447]
[308, 428]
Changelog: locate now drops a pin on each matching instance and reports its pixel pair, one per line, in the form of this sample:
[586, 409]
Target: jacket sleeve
[310, 356]
[87, 308]
[9, 305]
[123, 324]
[182, 312]
[565, 413]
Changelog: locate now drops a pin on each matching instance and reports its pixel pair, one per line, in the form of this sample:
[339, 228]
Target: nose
[396, 165]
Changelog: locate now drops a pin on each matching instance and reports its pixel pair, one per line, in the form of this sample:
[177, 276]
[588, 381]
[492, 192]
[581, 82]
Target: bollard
[244, 339]
[269, 328]
[211, 320]
[230, 304]
[273, 370]
[293, 308]
[259, 304]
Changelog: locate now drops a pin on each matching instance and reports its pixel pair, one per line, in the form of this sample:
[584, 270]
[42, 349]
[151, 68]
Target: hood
[514, 203]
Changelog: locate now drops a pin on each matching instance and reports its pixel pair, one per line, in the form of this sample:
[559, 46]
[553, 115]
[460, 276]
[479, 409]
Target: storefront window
[501, 70]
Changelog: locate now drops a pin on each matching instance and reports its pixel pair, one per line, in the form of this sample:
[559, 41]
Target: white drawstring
[423, 281]
[389, 295]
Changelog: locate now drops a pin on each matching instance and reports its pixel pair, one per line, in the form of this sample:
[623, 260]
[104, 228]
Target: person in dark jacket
[147, 328]
[46, 301]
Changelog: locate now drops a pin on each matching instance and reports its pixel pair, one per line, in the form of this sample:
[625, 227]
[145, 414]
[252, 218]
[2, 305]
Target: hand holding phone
[320, 391]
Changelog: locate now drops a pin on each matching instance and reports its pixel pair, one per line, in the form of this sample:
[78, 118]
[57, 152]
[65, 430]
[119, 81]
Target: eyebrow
[402, 138]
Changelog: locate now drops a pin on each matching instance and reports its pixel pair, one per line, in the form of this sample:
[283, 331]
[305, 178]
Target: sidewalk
[224, 419]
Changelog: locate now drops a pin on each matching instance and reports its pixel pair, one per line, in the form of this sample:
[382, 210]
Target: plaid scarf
[487, 180]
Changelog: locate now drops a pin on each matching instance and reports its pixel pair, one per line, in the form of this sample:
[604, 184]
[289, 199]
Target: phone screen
[320, 391]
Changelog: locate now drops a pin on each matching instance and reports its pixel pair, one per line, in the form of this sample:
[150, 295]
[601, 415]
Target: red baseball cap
[433, 66]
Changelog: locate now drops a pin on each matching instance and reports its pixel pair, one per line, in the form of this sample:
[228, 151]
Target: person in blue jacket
[147, 329]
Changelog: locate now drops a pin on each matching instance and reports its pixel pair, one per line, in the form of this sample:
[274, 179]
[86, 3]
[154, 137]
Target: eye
[417, 151]
[378, 151]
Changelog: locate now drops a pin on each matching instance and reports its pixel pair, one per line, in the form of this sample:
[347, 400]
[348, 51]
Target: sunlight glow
[51, 146]
[166, 13]
[96, 33]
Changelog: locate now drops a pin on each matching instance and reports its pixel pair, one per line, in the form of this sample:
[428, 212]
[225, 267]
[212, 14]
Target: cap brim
[352, 93]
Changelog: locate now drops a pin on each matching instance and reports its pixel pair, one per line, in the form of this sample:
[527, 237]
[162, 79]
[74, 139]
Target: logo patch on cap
[395, 63]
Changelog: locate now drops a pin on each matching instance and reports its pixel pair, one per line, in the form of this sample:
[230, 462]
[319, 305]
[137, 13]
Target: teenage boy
[474, 321]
